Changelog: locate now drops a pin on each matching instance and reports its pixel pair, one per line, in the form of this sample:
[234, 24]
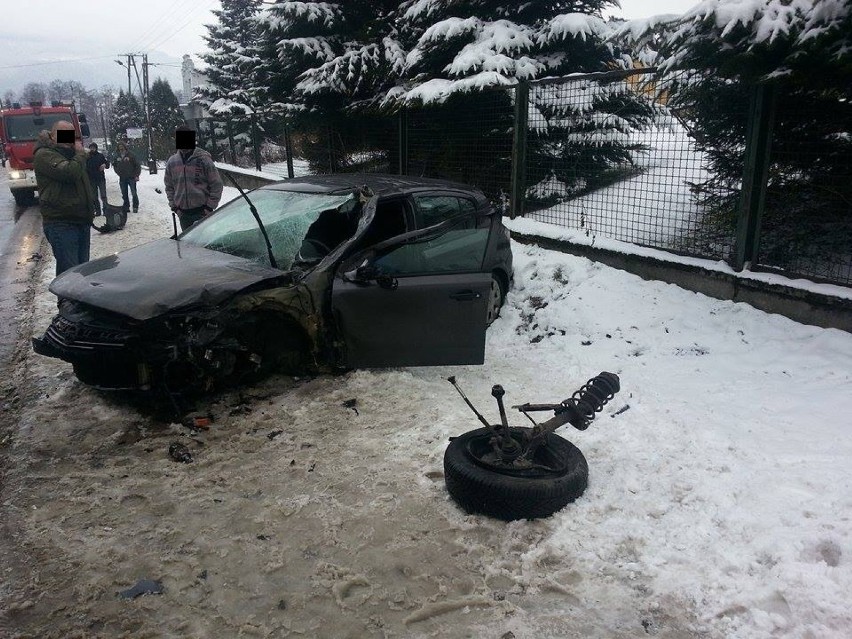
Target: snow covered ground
[719, 502]
[300, 168]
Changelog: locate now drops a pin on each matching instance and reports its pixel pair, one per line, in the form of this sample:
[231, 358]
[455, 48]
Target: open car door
[420, 302]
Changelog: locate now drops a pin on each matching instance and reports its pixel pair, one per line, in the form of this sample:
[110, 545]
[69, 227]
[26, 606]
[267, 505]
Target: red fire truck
[19, 130]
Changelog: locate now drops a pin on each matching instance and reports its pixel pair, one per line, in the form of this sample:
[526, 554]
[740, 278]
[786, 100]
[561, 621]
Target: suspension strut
[579, 410]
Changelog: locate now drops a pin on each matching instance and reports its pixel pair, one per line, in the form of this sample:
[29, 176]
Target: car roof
[379, 183]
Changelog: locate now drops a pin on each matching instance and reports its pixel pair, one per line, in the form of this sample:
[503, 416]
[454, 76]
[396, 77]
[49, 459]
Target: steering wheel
[319, 248]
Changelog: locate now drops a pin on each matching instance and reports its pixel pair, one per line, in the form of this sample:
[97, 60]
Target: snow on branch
[573, 25]
[488, 52]
[226, 106]
[318, 48]
[419, 9]
[634, 31]
[579, 96]
[325, 13]
[348, 73]
[449, 29]
[765, 19]
[438, 90]
[343, 74]
[552, 188]
[394, 55]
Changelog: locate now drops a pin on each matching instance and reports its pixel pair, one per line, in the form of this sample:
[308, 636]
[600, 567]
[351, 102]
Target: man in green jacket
[65, 195]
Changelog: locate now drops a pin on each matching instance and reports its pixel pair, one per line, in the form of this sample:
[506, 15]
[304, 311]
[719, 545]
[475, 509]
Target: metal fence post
[519, 149]
[230, 133]
[755, 174]
[211, 132]
[254, 141]
[403, 141]
[288, 149]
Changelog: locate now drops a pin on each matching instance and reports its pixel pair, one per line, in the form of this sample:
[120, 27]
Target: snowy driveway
[719, 503]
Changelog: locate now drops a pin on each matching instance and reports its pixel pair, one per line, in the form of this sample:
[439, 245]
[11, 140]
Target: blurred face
[62, 134]
[122, 148]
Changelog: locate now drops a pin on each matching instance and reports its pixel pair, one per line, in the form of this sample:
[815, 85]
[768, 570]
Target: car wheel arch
[279, 329]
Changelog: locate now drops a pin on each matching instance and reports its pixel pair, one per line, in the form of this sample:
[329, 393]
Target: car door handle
[465, 296]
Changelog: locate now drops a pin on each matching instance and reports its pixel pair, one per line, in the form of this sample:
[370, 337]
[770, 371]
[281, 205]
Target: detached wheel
[496, 296]
[559, 475]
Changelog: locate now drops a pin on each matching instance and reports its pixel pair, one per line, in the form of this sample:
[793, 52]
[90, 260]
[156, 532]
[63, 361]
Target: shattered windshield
[288, 218]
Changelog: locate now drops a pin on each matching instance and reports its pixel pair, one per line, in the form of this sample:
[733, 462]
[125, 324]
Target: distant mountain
[96, 70]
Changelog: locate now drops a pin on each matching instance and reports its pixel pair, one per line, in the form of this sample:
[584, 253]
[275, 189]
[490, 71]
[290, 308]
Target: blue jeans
[99, 188]
[124, 183]
[70, 242]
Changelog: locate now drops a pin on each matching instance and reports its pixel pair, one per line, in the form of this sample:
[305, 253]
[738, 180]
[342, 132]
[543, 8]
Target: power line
[37, 64]
[191, 16]
[154, 29]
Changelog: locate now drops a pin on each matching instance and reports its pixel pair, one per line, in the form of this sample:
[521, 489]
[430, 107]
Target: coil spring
[593, 395]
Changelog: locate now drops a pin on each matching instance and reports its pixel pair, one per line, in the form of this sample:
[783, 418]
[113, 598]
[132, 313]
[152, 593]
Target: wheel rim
[479, 449]
[494, 299]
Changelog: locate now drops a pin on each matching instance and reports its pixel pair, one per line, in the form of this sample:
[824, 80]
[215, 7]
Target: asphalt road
[20, 248]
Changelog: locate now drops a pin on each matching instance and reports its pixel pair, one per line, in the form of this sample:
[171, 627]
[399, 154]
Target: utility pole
[104, 127]
[152, 162]
[130, 62]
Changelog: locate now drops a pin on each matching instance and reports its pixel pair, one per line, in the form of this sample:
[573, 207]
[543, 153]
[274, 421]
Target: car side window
[460, 249]
[467, 206]
[388, 222]
[434, 209]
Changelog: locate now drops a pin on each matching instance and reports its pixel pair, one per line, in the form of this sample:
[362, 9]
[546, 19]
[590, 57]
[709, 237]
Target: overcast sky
[93, 31]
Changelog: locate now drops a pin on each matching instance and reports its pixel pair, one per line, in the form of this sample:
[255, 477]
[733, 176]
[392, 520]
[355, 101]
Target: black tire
[481, 489]
[496, 297]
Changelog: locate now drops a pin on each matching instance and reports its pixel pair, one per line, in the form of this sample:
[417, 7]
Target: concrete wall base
[800, 305]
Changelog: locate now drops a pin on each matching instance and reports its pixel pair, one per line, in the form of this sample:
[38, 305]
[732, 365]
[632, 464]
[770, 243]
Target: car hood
[158, 277]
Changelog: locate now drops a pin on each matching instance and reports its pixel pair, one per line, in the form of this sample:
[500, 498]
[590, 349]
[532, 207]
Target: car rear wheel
[496, 296]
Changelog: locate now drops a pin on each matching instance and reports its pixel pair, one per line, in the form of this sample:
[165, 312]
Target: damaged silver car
[318, 273]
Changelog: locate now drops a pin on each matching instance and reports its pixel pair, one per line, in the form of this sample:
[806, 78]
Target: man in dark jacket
[128, 170]
[65, 195]
[193, 184]
[96, 165]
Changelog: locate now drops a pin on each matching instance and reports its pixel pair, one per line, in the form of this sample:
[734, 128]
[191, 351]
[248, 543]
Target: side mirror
[366, 273]
[369, 273]
[84, 131]
[387, 281]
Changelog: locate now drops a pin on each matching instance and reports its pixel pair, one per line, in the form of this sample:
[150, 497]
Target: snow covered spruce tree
[165, 116]
[333, 60]
[337, 59]
[579, 132]
[235, 50]
[717, 54]
[237, 88]
[126, 114]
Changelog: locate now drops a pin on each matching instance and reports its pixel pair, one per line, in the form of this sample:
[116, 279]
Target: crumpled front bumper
[107, 358]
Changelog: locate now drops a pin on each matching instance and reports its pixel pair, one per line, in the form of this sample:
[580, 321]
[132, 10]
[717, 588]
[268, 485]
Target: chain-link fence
[607, 154]
[686, 163]
[468, 139]
[806, 221]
